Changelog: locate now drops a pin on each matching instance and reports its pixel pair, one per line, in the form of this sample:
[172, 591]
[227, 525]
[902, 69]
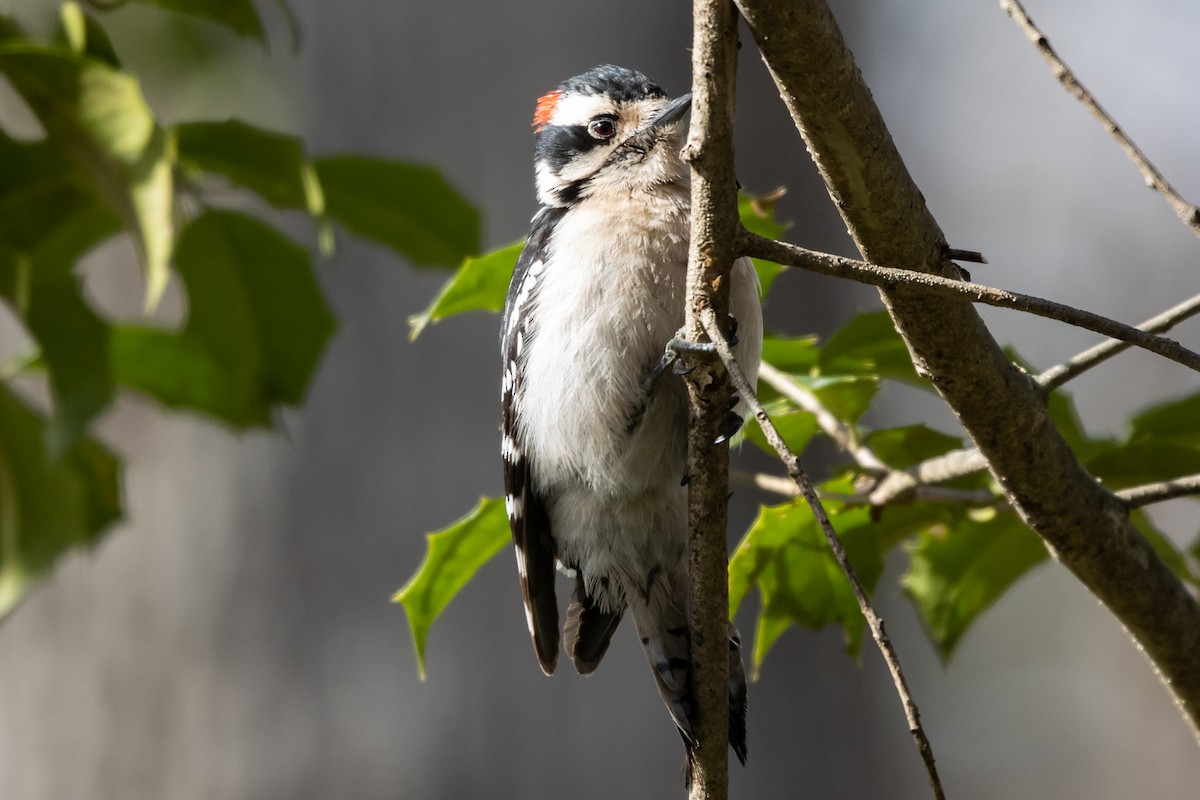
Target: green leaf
[796, 355]
[47, 504]
[957, 571]
[905, 446]
[84, 35]
[44, 195]
[254, 304]
[36, 279]
[9, 29]
[240, 16]
[1144, 461]
[767, 272]
[1176, 421]
[175, 369]
[796, 427]
[785, 555]
[869, 345]
[455, 554]
[74, 347]
[895, 524]
[480, 284]
[758, 216]
[266, 162]
[409, 208]
[847, 396]
[97, 115]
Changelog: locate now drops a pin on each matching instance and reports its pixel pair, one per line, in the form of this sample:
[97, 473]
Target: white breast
[610, 297]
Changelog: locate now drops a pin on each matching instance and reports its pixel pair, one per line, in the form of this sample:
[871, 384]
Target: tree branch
[805, 485]
[891, 279]
[1139, 496]
[709, 151]
[960, 463]
[1059, 374]
[1003, 410]
[778, 484]
[1186, 211]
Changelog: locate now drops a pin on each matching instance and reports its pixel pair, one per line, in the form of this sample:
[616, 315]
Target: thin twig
[1059, 374]
[777, 484]
[900, 484]
[1186, 211]
[1138, 496]
[1134, 496]
[743, 387]
[834, 428]
[960, 463]
[891, 279]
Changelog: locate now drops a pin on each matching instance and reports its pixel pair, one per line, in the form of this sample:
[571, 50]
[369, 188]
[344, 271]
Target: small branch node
[970, 256]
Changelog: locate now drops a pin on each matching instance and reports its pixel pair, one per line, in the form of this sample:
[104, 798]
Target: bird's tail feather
[662, 626]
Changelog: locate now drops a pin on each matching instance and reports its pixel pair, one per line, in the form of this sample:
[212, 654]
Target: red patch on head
[545, 110]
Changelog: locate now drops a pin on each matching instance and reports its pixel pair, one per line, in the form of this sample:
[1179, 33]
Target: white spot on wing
[514, 506]
[509, 449]
[520, 562]
[510, 378]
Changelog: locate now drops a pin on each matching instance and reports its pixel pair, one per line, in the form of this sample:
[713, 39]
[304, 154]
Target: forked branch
[805, 485]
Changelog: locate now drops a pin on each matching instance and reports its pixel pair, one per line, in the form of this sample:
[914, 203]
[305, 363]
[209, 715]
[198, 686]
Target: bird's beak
[671, 112]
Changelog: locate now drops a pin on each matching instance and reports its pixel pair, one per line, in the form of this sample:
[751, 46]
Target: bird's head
[610, 129]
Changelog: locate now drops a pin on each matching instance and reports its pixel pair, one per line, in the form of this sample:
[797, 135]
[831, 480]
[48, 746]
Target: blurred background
[234, 638]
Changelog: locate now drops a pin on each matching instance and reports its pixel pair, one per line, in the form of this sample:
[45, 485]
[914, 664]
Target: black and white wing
[526, 511]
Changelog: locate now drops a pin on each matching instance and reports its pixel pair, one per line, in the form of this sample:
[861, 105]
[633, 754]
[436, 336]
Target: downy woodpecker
[594, 436]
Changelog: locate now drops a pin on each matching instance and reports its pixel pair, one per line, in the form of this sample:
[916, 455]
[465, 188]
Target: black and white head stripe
[527, 517]
[570, 149]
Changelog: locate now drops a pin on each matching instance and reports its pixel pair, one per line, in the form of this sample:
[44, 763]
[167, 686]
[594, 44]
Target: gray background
[234, 638]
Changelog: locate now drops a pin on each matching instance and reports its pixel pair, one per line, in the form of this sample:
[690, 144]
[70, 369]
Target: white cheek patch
[579, 109]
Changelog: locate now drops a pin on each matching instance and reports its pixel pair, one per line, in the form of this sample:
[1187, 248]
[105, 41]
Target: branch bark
[892, 279]
[714, 228]
[1069, 370]
[1003, 410]
[1139, 496]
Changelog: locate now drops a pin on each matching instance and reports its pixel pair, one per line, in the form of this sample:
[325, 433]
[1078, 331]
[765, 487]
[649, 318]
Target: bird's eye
[602, 127]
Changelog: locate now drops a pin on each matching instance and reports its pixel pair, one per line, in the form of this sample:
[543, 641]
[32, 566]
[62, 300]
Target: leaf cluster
[256, 319]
